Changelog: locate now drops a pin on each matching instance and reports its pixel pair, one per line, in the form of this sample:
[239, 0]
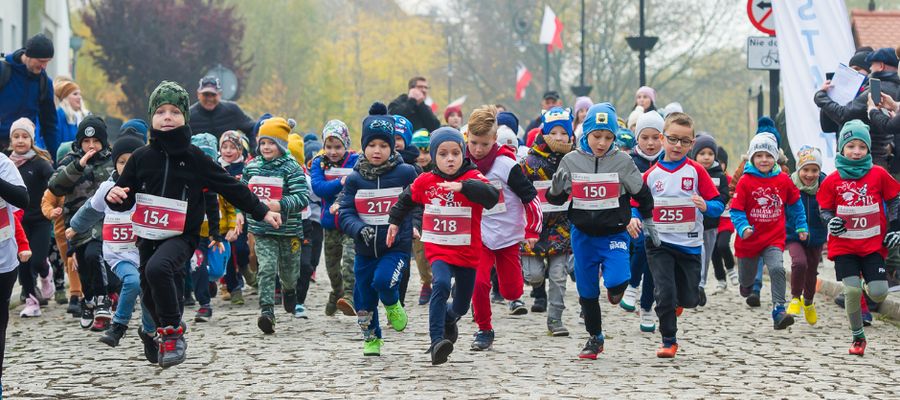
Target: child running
[552, 254]
[601, 181]
[454, 195]
[683, 196]
[860, 204]
[370, 192]
[278, 180]
[164, 181]
[516, 218]
[805, 255]
[761, 197]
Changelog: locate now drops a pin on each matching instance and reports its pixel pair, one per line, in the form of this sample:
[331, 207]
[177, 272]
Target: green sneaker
[372, 347]
[237, 297]
[396, 315]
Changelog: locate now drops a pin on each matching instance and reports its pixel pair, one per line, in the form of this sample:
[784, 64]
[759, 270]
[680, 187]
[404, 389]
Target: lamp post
[581, 89]
[642, 44]
[75, 42]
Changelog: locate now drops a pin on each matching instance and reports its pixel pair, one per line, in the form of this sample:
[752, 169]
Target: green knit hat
[170, 93]
[852, 130]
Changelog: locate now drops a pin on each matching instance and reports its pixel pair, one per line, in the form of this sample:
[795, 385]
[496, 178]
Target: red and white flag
[523, 78]
[456, 103]
[551, 30]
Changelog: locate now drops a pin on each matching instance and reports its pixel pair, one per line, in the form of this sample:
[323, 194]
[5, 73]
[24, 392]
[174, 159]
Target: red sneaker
[678, 311]
[667, 352]
[858, 348]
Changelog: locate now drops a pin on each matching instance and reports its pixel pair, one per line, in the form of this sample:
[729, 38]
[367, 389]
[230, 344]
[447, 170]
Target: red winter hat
[452, 110]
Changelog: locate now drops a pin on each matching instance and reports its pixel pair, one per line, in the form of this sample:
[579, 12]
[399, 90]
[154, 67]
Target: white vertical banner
[813, 37]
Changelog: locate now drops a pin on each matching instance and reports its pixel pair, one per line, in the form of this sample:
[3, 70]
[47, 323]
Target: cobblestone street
[727, 351]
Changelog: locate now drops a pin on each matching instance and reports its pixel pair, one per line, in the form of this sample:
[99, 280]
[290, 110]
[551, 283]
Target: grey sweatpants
[709, 244]
[558, 268]
[773, 259]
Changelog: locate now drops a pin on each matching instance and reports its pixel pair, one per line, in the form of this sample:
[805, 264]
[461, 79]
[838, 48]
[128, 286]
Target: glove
[559, 182]
[836, 226]
[650, 232]
[367, 234]
[892, 240]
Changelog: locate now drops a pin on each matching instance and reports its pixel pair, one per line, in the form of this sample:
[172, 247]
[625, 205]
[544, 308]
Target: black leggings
[7, 280]
[38, 234]
[722, 258]
[163, 275]
[92, 269]
[306, 260]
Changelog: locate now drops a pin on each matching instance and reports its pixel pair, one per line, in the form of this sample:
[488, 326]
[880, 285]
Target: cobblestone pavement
[727, 351]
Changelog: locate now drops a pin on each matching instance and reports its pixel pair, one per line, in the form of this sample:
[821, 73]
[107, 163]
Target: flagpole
[547, 69]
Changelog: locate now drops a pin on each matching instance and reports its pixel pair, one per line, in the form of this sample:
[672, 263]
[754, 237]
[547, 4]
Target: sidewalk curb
[890, 307]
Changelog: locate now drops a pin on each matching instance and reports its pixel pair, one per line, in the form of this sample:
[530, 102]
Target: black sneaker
[87, 315]
[204, 314]
[189, 300]
[440, 351]
[540, 305]
[753, 299]
[151, 348]
[592, 348]
[496, 298]
[290, 301]
[74, 307]
[517, 307]
[702, 297]
[112, 335]
[172, 347]
[483, 340]
[451, 330]
[266, 321]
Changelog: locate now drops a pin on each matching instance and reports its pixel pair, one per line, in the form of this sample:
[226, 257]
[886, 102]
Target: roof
[875, 28]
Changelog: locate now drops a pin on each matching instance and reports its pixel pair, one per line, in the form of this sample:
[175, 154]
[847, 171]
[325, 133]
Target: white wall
[54, 23]
[11, 16]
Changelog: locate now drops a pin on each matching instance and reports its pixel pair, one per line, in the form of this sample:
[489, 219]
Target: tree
[144, 42]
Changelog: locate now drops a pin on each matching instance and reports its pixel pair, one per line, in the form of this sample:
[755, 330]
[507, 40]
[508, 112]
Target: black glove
[367, 234]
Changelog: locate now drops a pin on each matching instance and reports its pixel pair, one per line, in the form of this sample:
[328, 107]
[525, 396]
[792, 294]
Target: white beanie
[809, 155]
[765, 144]
[650, 119]
[506, 137]
[24, 124]
[633, 117]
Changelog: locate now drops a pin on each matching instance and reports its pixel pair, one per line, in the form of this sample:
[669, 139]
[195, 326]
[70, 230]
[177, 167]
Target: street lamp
[75, 42]
[642, 44]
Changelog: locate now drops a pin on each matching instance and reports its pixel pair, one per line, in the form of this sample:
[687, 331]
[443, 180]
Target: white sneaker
[47, 286]
[733, 277]
[32, 307]
[629, 299]
[722, 285]
[648, 321]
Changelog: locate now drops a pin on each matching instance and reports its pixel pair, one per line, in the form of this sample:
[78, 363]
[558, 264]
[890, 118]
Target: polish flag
[456, 103]
[523, 78]
[551, 30]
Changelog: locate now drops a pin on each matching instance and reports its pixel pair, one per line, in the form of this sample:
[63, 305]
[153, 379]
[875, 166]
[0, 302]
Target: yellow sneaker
[810, 313]
[794, 307]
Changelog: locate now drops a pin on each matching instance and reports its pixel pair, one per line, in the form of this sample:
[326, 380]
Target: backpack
[6, 75]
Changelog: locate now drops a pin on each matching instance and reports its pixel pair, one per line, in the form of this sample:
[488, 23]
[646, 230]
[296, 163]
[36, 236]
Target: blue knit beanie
[445, 134]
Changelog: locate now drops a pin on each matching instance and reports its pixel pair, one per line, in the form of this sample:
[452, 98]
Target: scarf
[327, 164]
[20, 159]
[226, 164]
[372, 172]
[484, 165]
[853, 169]
[808, 189]
[639, 152]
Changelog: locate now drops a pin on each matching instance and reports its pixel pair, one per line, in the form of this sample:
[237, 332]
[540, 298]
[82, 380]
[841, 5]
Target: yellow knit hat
[295, 145]
[276, 129]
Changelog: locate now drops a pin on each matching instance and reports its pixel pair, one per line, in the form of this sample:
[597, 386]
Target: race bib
[501, 205]
[118, 233]
[158, 218]
[6, 227]
[674, 215]
[373, 205]
[862, 222]
[337, 173]
[595, 191]
[450, 226]
[266, 187]
[542, 188]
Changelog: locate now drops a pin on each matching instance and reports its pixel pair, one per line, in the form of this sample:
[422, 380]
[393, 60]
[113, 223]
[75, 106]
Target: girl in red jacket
[454, 195]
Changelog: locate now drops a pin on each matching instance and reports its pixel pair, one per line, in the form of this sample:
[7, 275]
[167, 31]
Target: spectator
[69, 113]
[29, 91]
[453, 116]
[412, 106]
[211, 114]
[551, 99]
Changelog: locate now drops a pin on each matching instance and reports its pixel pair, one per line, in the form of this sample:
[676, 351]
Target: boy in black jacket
[165, 180]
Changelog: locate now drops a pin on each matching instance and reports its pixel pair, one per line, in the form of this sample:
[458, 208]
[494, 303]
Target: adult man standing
[211, 114]
[27, 91]
[412, 106]
[551, 99]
